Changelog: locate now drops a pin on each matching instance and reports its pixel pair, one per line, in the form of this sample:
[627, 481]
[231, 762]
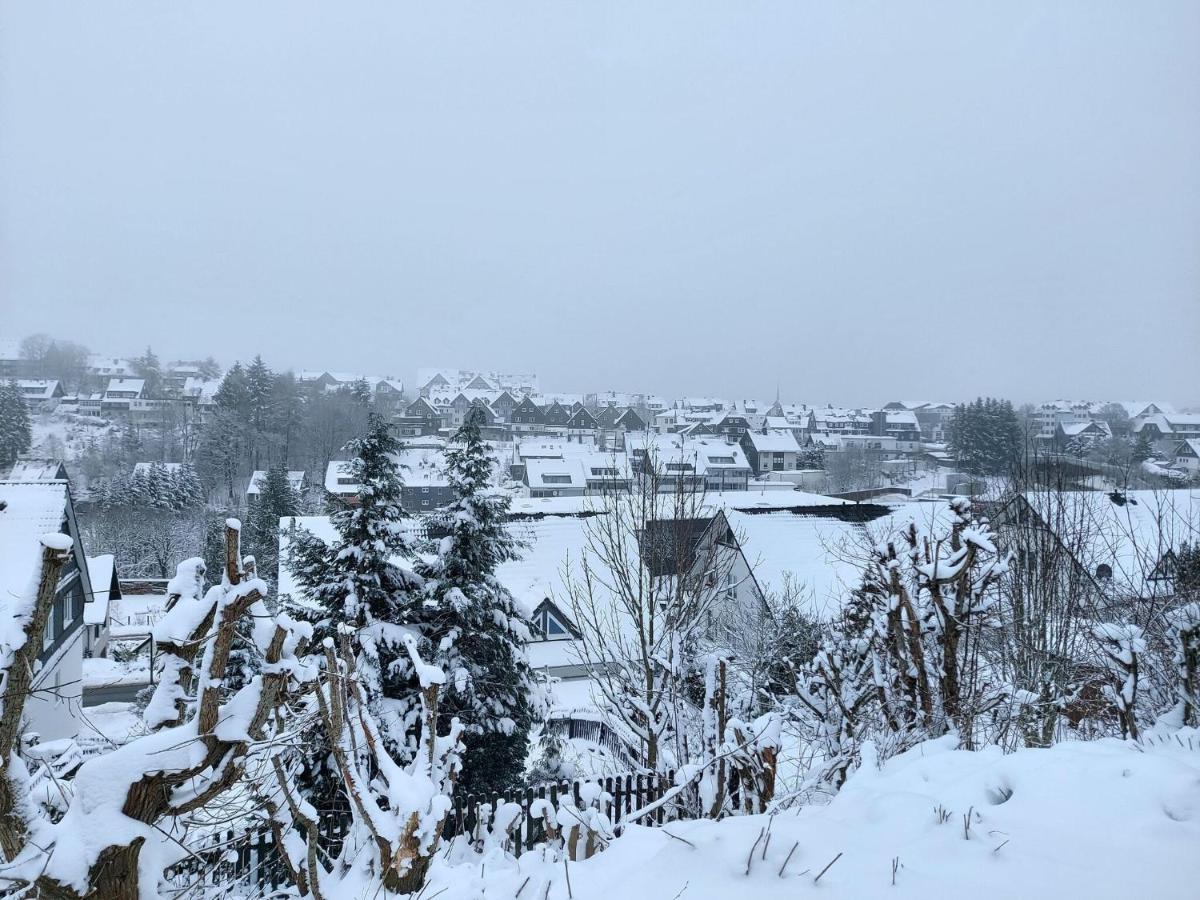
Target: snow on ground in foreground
[1081, 820]
[111, 723]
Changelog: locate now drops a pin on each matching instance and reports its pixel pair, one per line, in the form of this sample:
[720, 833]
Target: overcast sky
[857, 201]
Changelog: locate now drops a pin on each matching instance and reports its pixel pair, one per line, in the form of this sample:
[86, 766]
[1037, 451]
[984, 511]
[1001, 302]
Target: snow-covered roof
[773, 441]
[36, 469]
[703, 453]
[1177, 420]
[31, 509]
[814, 559]
[124, 385]
[1129, 532]
[37, 388]
[423, 466]
[1190, 447]
[100, 572]
[1073, 429]
[337, 472]
[538, 470]
[1135, 408]
[259, 479]
[554, 548]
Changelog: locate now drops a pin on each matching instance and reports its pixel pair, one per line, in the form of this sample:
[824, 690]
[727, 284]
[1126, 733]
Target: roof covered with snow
[774, 441]
[1130, 532]
[31, 509]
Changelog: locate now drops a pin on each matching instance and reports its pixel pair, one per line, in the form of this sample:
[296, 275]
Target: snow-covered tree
[985, 436]
[128, 812]
[1121, 648]
[472, 625]
[1186, 622]
[277, 499]
[396, 811]
[905, 660]
[15, 433]
[357, 582]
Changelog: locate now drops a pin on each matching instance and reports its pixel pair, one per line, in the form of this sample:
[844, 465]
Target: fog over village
[559, 451]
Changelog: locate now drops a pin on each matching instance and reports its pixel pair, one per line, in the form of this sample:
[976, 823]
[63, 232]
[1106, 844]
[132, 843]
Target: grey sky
[858, 200]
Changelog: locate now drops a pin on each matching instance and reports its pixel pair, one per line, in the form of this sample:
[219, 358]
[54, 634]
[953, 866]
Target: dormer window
[551, 627]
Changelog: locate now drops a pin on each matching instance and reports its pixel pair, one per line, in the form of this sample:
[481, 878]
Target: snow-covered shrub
[1186, 621]
[397, 812]
[1121, 646]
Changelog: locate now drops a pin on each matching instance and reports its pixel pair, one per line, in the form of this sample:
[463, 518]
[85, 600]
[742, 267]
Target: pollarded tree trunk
[18, 680]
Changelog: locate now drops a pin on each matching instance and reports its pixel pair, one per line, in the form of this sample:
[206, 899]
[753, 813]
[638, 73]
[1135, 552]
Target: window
[679, 467]
[556, 479]
[552, 629]
[721, 460]
[346, 481]
[604, 471]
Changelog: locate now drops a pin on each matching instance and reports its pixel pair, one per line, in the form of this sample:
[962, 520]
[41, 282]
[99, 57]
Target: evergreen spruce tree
[15, 433]
[148, 368]
[276, 499]
[355, 582]
[1142, 450]
[474, 630]
[259, 384]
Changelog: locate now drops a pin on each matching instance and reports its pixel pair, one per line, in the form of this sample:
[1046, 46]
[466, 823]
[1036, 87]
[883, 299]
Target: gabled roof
[1130, 532]
[30, 510]
[630, 420]
[38, 388]
[258, 480]
[38, 469]
[420, 407]
[1074, 429]
[581, 418]
[778, 441]
[336, 469]
[125, 385]
[1190, 447]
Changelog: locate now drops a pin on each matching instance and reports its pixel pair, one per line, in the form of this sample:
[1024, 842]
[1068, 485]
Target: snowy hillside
[1099, 820]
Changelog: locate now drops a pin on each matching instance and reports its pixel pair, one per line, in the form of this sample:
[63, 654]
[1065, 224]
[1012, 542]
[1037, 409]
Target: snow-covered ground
[66, 435]
[103, 672]
[1095, 820]
[111, 723]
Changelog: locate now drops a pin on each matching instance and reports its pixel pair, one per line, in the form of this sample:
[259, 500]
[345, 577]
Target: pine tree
[276, 500]
[475, 631]
[1142, 450]
[149, 369]
[985, 436]
[15, 433]
[259, 382]
[356, 583]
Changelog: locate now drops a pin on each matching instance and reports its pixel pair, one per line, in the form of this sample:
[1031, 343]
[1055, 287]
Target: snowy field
[1093, 820]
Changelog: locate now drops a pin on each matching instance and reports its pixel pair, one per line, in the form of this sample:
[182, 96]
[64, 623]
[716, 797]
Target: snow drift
[1103, 819]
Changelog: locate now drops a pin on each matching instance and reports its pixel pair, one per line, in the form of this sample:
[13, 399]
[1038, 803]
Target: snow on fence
[250, 857]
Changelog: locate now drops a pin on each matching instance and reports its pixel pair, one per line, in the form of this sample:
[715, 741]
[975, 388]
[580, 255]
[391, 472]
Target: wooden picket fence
[629, 792]
[251, 857]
